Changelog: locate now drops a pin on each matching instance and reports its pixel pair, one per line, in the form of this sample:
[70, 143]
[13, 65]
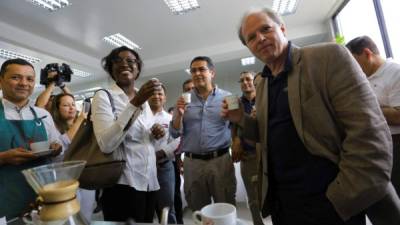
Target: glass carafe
[56, 184]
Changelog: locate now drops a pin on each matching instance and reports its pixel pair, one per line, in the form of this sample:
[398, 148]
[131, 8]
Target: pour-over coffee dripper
[57, 184]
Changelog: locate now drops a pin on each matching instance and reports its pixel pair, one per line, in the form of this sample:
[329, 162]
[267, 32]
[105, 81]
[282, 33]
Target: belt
[208, 155]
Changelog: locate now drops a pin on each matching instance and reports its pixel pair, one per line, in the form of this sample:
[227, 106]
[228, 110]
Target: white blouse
[134, 145]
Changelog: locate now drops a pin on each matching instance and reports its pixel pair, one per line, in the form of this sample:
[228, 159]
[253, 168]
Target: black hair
[186, 82]
[358, 44]
[107, 61]
[210, 63]
[17, 61]
[250, 72]
[165, 89]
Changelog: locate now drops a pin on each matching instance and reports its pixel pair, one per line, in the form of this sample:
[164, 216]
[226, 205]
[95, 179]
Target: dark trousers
[311, 210]
[122, 202]
[396, 163]
[177, 196]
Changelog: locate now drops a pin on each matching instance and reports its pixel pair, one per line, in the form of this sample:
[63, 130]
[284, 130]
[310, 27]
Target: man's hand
[232, 115]
[57, 148]
[181, 106]
[146, 91]
[16, 156]
[158, 131]
[237, 150]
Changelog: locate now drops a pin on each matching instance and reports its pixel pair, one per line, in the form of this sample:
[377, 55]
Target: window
[358, 18]
[392, 17]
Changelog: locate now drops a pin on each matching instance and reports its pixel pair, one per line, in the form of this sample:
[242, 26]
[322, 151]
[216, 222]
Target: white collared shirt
[135, 144]
[13, 112]
[167, 143]
[386, 84]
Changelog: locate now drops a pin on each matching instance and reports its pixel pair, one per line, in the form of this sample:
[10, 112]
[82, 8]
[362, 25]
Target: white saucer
[43, 152]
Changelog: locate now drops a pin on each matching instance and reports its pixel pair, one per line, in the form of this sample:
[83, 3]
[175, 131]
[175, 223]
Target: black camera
[63, 74]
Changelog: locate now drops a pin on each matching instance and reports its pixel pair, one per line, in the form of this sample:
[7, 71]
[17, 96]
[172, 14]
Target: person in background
[319, 123]
[384, 77]
[165, 153]
[45, 99]
[171, 110]
[67, 121]
[21, 124]
[65, 115]
[206, 139]
[127, 133]
[244, 150]
[187, 85]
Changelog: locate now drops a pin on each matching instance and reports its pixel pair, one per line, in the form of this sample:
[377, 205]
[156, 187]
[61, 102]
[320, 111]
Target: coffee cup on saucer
[216, 214]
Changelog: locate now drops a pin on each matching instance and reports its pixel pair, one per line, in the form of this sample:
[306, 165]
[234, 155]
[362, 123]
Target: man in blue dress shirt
[208, 169]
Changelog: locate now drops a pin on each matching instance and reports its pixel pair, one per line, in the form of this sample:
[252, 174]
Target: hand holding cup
[146, 91]
[158, 131]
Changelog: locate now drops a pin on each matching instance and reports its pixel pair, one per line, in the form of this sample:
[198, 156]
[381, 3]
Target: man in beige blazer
[325, 145]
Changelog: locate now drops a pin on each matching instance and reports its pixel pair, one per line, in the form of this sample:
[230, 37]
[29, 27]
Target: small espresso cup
[40, 146]
[187, 97]
[232, 101]
[216, 214]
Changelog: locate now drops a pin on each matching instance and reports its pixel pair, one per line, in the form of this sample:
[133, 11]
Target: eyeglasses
[200, 69]
[129, 61]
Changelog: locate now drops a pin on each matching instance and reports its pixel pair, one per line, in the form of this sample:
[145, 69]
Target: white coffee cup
[187, 97]
[40, 146]
[216, 214]
[233, 102]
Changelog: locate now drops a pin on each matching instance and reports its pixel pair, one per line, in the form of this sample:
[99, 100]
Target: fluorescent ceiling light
[248, 61]
[51, 5]
[285, 7]
[180, 7]
[80, 73]
[6, 54]
[119, 40]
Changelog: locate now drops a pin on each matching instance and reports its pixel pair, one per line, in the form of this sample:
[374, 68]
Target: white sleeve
[170, 148]
[394, 93]
[110, 133]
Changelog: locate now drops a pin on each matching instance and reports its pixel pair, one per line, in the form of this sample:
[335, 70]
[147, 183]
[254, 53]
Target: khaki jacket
[337, 117]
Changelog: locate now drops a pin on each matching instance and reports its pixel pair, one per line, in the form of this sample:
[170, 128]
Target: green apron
[15, 193]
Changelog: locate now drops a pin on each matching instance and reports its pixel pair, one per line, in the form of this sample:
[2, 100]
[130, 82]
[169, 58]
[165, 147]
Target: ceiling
[168, 42]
